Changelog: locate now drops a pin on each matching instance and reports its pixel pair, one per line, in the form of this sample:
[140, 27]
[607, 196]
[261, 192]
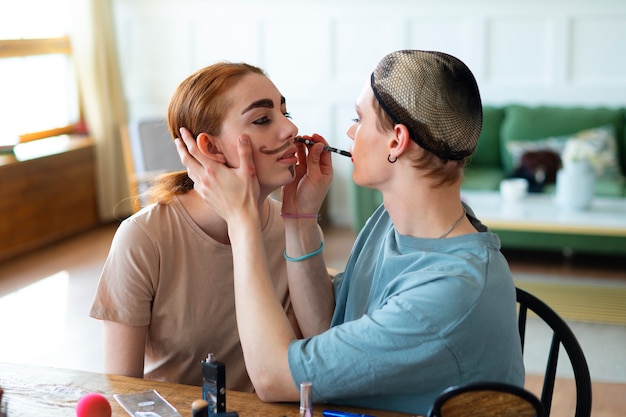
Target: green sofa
[518, 125]
[492, 162]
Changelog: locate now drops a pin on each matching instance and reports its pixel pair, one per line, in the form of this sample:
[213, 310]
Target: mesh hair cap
[435, 96]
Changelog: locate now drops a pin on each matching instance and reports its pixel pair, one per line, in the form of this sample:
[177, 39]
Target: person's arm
[124, 349]
[293, 320]
[264, 330]
[310, 288]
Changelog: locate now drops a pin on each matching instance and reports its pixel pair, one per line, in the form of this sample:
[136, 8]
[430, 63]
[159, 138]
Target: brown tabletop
[41, 391]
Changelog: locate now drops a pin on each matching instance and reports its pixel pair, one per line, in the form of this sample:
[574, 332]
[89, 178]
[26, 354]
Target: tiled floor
[45, 296]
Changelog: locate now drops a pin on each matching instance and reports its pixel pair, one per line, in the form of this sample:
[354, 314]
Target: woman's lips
[289, 156]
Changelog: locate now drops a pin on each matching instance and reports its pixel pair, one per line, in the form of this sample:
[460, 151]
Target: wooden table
[50, 392]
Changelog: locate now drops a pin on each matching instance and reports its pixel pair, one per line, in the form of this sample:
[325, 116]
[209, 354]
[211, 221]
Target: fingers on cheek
[251, 172]
[200, 176]
[192, 150]
[187, 159]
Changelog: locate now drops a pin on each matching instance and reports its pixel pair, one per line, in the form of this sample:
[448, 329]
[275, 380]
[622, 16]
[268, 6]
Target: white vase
[575, 184]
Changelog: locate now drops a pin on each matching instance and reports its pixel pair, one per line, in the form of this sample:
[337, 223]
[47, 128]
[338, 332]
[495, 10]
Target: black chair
[562, 335]
[486, 399]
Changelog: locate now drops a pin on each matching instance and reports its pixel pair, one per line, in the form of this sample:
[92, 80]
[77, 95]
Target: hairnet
[435, 96]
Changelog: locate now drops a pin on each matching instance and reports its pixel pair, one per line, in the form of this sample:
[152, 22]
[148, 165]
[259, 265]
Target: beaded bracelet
[300, 216]
[306, 256]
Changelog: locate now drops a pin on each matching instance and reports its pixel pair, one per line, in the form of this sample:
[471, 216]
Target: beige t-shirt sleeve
[126, 288]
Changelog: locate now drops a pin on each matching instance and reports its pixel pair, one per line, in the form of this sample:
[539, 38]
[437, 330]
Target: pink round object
[93, 405]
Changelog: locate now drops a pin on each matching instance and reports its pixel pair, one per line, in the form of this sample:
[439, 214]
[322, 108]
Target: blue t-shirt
[413, 317]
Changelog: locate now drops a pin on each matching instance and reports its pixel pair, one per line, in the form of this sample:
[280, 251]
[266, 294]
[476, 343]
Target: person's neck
[427, 212]
[211, 223]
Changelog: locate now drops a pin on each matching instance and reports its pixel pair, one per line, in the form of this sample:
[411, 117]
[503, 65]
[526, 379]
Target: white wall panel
[598, 60]
[358, 44]
[519, 51]
[456, 36]
[460, 36]
[232, 39]
[294, 52]
[154, 59]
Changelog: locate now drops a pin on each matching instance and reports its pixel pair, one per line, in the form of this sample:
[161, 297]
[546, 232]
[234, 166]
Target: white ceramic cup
[513, 189]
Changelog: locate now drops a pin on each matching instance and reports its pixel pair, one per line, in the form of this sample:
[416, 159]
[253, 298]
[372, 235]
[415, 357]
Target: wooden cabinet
[47, 192]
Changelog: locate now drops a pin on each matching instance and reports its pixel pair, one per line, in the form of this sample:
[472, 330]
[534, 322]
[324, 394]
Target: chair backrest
[486, 399]
[562, 335]
[149, 151]
[152, 146]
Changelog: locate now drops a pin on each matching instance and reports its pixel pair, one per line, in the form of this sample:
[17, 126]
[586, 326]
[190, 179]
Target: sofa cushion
[516, 149]
[598, 145]
[538, 123]
[487, 152]
[482, 178]
[538, 168]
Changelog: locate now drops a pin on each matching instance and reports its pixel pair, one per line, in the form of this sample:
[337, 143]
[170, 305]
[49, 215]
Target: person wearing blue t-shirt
[426, 301]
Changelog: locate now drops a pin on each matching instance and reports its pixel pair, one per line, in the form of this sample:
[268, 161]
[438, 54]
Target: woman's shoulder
[153, 219]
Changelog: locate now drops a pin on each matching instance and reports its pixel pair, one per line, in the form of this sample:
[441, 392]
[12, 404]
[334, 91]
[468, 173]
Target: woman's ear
[399, 141]
[209, 146]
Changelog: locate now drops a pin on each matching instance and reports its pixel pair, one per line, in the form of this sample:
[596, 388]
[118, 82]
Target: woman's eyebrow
[265, 102]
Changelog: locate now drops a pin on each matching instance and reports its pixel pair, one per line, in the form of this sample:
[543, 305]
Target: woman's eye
[261, 121]
[287, 115]
[356, 120]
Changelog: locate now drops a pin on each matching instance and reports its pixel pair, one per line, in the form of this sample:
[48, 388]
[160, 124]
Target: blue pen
[332, 413]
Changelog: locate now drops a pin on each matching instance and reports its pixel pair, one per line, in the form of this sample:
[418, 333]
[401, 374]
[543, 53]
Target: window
[38, 83]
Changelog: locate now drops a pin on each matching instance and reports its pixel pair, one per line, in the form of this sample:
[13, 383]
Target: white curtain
[95, 52]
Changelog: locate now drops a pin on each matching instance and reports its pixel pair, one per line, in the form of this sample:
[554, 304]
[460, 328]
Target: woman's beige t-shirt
[164, 272]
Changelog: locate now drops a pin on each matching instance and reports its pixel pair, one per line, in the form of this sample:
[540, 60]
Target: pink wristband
[300, 216]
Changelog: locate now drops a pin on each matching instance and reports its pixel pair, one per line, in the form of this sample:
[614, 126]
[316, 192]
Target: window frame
[11, 48]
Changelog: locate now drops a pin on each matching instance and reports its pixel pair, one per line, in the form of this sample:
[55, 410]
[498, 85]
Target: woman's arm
[124, 349]
[264, 330]
[310, 288]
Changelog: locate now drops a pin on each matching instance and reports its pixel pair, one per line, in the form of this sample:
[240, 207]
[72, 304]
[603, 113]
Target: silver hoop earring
[389, 159]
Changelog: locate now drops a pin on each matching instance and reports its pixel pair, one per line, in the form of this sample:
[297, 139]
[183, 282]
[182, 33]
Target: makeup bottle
[306, 403]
